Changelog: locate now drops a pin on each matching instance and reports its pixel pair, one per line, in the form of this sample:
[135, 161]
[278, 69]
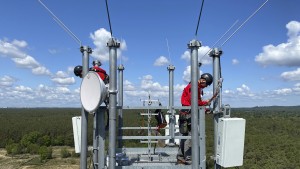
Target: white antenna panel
[76, 122]
[92, 91]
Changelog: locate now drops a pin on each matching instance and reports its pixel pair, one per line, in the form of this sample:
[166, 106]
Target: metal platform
[138, 158]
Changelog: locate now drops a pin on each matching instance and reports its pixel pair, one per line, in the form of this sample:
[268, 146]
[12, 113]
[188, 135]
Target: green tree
[13, 148]
[45, 153]
[30, 138]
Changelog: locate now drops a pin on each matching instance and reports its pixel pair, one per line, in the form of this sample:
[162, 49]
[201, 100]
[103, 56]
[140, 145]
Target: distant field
[272, 133]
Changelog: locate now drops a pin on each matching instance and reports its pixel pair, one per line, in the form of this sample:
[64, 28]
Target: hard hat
[208, 77]
[78, 70]
[96, 62]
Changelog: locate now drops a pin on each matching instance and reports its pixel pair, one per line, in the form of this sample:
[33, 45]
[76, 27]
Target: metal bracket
[226, 110]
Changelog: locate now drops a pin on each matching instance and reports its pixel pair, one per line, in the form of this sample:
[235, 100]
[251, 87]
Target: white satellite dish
[92, 91]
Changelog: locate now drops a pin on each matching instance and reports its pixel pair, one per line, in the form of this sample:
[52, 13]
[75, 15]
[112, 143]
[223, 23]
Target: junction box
[231, 137]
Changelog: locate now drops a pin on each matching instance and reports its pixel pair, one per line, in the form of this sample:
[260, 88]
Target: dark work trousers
[185, 147]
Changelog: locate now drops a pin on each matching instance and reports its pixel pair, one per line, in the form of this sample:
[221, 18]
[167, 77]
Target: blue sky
[260, 63]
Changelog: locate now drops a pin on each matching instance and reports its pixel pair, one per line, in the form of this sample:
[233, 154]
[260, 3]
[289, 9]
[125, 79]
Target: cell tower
[229, 133]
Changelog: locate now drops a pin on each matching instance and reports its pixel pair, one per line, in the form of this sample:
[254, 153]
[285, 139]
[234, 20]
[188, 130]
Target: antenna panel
[76, 122]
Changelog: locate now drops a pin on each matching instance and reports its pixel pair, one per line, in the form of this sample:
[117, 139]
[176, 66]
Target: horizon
[260, 63]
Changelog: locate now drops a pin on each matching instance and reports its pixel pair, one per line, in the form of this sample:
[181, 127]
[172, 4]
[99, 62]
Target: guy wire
[61, 24]
[199, 18]
[244, 22]
[111, 34]
[220, 38]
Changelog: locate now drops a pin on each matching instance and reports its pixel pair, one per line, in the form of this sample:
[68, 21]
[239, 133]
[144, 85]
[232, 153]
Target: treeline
[272, 137]
[271, 141]
[55, 124]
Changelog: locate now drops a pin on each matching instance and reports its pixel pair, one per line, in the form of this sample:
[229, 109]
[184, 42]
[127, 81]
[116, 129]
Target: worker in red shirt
[185, 150]
[96, 68]
[101, 72]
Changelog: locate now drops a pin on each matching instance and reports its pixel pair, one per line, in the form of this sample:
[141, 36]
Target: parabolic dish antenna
[92, 91]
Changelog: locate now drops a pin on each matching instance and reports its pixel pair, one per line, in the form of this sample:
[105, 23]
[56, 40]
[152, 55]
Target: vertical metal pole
[101, 138]
[194, 46]
[172, 119]
[120, 103]
[215, 54]
[95, 140]
[85, 50]
[113, 45]
[202, 138]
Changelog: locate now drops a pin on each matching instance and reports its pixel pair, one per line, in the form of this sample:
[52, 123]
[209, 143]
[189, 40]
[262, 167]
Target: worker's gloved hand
[206, 103]
[207, 111]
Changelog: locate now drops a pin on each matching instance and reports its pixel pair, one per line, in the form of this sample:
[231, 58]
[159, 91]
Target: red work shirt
[187, 95]
[101, 72]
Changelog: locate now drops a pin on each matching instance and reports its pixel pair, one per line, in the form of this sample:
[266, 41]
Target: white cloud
[128, 86]
[63, 80]
[187, 74]
[235, 61]
[297, 87]
[7, 81]
[63, 90]
[100, 38]
[23, 89]
[147, 86]
[244, 90]
[40, 96]
[10, 50]
[26, 62]
[292, 75]
[293, 29]
[41, 70]
[161, 61]
[284, 54]
[284, 91]
[21, 44]
[61, 74]
[203, 56]
[13, 50]
[52, 51]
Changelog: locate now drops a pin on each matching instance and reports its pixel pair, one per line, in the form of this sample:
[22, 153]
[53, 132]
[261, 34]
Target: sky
[260, 64]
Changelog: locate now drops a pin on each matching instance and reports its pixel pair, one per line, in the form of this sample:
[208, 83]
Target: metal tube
[113, 45]
[95, 142]
[120, 103]
[85, 50]
[202, 138]
[215, 54]
[172, 119]
[101, 138]
[194, 45]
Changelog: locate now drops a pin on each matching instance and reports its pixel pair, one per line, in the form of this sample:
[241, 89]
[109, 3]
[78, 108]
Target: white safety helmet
[96, 62]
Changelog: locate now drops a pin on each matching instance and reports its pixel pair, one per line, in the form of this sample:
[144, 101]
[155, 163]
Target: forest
[272, 137]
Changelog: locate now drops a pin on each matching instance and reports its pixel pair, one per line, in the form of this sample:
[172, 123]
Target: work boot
[180, 159]
[188, 160]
